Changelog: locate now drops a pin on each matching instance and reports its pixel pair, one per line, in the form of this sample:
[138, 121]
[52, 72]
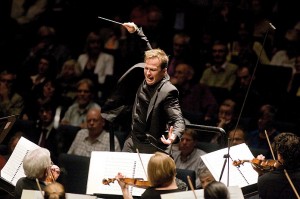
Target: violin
[262, 165]
[135, 182]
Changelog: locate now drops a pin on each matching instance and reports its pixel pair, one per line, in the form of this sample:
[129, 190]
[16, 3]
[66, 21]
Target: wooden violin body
[136, 182]
[263, 165]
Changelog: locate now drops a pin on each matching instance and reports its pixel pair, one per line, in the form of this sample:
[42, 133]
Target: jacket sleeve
[141, 34]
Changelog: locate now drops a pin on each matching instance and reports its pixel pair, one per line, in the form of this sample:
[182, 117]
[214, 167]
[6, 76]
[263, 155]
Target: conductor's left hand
[171, 137]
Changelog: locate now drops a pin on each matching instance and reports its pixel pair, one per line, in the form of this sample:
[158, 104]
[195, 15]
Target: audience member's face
[265, 121]
[48, 89]
[95, 123]
[225, 113]
[219, 53]
[43, 66]
[153, 72]
[46, 116]
[236, 137]
[187, 144]
[179, 45]
[93, 43]
[68, 70]
[181, 73]
[243, 77]
[206, 180]
[6, 81]
[84, 95]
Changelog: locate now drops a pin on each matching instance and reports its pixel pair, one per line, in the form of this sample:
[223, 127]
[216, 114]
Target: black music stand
[6, 124]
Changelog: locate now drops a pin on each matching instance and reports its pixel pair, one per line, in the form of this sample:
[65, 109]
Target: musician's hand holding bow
[52, 174]
[55, 171]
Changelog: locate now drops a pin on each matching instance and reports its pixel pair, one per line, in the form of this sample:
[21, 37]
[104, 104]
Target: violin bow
[284, 170]
[137, 151]
[39, 186]
[191, 185]
[266, 133]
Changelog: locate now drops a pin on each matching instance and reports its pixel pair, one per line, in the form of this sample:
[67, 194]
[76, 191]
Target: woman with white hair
[38, 169]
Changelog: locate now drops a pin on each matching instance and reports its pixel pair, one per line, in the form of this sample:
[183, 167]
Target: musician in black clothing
[275, 184]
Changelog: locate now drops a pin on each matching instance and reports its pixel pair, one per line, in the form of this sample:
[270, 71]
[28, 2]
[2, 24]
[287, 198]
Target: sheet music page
[234, 191]
[13, 169]
[104, 165]
[243, 176]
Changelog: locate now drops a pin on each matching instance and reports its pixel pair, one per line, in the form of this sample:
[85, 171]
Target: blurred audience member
[11, 103]
[67, 79]
[181, 52]
[46, 92]
[76, 113]
[221, 74]
[94, 138]
[196, 101]
[227, 119]
[248, 98]
[189, 156]
[237, 136]
[46, 42]
[265, 124]
[96, 64]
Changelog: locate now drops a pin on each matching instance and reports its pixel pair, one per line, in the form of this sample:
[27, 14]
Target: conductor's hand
[171, 137]
[130, 26]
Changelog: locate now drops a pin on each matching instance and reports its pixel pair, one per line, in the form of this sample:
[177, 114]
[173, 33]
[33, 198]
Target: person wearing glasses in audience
[94, 137]
[39, 171]
[76, 113]
[11, 102]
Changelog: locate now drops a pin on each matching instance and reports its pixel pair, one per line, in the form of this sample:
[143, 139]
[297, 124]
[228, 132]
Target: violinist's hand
[55, 171]
[256, 168]
[122, 184]
[130, 26]
[261, 157]
[171, 137]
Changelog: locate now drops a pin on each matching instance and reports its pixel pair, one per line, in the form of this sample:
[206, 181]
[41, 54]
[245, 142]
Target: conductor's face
[153, 72]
